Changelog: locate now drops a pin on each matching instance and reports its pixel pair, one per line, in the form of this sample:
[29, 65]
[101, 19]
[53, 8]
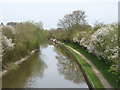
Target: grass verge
[100, 64]
[89, 71]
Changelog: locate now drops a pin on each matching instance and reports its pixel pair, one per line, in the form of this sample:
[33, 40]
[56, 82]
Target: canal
[50, 67]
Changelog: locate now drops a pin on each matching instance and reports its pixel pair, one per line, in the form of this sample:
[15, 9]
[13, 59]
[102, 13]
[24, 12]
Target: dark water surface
[51, 67]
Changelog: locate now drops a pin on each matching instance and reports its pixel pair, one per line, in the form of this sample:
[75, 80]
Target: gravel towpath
[104, 82]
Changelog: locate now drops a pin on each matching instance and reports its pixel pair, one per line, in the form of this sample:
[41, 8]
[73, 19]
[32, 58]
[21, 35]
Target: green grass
[100, 64]
[88, 69]
[90, 72]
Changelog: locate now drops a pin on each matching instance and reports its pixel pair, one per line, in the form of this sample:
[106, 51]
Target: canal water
[50, 67]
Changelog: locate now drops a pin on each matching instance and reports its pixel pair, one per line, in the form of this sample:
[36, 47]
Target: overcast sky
[50, 12]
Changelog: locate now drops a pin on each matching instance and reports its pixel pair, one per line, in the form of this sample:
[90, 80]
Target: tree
[98, 25]
[73, 20]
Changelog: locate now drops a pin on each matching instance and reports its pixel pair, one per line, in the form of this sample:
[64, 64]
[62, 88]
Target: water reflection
[67, 67]
[34, 67]
[45, 44]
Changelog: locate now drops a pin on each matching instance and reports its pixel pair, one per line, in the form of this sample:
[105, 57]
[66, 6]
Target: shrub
[19, 40]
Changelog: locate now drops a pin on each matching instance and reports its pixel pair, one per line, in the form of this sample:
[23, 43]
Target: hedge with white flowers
[102, 42]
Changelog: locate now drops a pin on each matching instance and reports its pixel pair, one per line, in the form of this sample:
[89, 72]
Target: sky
[50, 11]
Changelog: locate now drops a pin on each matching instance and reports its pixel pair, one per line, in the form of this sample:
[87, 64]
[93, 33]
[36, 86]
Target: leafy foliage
[19, 40]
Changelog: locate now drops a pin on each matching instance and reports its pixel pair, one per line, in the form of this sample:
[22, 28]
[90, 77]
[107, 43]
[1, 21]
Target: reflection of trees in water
[68, 68]
[45, 44]
[32, 68]
[38, 67]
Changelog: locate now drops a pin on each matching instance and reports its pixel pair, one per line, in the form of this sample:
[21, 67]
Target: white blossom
[103, 42]
[7, 43]
[9, 27]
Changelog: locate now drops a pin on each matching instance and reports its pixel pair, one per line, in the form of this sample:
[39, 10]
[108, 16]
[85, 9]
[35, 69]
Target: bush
[19, 40]
[102, 42]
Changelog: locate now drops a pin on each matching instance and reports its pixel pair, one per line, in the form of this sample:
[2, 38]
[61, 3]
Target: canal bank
[15, 64]
[87, 78]
[98, 83]
[104, 82]
[88, 69]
